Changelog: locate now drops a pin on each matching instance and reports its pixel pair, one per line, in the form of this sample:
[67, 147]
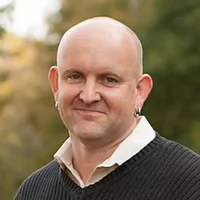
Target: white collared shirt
[141, 136]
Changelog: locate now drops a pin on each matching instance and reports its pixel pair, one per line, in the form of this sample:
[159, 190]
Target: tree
[172, 56]
[5, 17]
[28, 117]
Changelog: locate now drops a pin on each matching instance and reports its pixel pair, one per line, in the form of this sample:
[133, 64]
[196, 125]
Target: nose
[89, 93]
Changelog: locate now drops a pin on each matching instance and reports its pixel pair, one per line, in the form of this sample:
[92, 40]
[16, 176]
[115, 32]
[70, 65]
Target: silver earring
[137, 112]
[56, 104]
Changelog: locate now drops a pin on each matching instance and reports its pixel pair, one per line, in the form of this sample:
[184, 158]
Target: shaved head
[104, 31]
[99, 82]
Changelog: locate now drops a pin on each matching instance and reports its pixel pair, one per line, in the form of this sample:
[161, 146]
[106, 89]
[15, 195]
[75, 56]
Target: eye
[74, 77]
[110, 80]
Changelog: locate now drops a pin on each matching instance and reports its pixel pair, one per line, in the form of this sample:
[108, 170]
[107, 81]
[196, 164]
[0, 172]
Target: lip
[89, 111]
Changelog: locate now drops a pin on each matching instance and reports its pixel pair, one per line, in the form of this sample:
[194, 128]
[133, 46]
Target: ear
[53, 79]
[144, 87]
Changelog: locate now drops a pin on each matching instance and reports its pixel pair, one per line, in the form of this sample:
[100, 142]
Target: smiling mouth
[89, 111]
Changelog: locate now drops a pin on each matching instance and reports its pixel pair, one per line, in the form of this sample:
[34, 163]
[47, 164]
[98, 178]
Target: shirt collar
[142, 135]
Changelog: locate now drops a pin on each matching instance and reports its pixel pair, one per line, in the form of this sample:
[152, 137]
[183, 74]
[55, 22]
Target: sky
[29, 16]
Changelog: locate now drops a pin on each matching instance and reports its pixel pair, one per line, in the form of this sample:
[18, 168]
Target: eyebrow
[110, 73]
[103, 73]
[68, 71]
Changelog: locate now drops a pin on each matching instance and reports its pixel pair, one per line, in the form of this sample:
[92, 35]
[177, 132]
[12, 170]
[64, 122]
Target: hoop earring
[137, 112]
[56, 104]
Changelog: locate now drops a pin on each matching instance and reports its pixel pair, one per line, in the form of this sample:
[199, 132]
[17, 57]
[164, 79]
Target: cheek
[66, 96]
[121, 102]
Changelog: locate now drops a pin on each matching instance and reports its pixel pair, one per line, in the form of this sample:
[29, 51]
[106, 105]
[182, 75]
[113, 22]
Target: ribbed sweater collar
[130, 164]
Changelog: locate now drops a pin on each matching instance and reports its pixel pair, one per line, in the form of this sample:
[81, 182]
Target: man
[112, 153]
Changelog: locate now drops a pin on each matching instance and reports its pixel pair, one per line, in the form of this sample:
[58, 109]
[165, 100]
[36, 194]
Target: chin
[91, 132]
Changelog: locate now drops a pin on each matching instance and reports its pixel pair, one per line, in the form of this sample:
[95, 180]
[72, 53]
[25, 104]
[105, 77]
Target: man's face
[97, 89]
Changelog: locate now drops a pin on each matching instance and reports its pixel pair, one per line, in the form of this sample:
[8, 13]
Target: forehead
[97, 46]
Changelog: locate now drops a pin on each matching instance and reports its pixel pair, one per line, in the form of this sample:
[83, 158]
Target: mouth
[89, 111]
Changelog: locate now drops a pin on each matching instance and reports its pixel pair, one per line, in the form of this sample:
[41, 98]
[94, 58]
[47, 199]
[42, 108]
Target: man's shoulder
[179, 157]
[178, 149]
[45, 172]
[43, 176]
[175, 169]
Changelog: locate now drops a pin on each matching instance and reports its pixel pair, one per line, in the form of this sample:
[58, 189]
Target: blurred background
[30, 128]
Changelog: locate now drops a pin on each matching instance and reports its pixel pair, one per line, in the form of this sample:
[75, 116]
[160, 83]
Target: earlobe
[144, 87]
[53, 79]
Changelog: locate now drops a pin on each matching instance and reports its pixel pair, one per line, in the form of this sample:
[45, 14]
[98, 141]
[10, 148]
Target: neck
[85, 160]
[87, 155]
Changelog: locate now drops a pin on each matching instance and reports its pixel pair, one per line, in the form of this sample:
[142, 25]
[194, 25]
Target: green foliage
[172, 57]
[5, 13]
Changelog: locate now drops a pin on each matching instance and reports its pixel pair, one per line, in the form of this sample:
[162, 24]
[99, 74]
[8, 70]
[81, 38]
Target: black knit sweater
[163, 170]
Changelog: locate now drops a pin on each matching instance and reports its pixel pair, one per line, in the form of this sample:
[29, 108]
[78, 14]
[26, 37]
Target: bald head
[100, 32]
[99, 69]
